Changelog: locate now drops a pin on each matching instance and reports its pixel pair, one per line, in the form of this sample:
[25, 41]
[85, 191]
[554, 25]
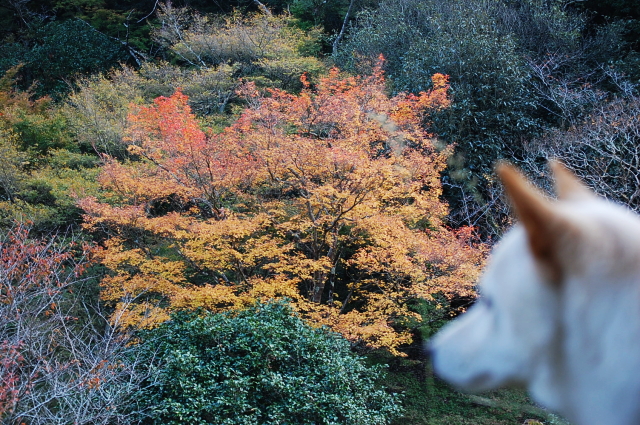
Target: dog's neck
[592, 370]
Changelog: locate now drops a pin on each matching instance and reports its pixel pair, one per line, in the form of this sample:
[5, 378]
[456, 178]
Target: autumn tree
[330, 198]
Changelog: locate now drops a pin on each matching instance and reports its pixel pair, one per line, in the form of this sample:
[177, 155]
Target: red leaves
[166, 126]
[31, 265]
[26, 264]
[185, 160]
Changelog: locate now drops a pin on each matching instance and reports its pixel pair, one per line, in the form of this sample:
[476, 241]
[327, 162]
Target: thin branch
[264, 8]
[150, 13]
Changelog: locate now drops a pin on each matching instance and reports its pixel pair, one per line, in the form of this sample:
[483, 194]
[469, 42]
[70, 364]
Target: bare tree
[62, 362]
[604, 150]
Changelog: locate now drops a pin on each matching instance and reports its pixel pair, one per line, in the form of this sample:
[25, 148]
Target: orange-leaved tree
[330, 197]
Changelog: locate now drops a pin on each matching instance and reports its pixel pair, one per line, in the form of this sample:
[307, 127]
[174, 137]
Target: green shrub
[11, 161]
[40, 131]
[262, 365]
[59, 51]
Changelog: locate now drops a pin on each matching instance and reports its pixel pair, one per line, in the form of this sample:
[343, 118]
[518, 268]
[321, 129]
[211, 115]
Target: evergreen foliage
[517, 69]
[59, 51]
[259, 366]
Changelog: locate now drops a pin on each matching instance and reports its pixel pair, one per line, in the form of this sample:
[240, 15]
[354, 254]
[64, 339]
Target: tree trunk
[321, 278]
[344, 26]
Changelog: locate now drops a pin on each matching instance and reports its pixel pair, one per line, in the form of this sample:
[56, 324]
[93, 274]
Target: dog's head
[536, 321]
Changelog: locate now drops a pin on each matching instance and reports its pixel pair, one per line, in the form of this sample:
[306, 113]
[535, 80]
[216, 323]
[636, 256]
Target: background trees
[603, 150]
[58, 51]
[517, 68]
[267, 48]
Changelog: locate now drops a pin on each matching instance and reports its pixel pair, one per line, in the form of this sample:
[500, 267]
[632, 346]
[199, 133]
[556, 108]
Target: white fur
[574, 343]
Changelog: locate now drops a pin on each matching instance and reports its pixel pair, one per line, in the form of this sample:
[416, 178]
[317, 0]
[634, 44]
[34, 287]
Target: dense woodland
[255, 212]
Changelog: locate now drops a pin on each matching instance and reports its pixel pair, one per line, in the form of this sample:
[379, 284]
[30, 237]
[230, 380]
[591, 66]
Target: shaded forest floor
[430, 401]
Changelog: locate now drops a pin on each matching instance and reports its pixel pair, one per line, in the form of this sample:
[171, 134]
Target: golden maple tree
[330, 198]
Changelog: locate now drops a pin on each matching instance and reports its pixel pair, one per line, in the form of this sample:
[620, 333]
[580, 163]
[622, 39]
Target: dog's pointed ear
[568, 186]
[538, 216]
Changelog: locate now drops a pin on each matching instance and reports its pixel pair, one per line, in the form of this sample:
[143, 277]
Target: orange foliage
[330, 198]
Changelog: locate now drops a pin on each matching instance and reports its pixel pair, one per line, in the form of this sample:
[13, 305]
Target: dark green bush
[263, 365]
[59, 51]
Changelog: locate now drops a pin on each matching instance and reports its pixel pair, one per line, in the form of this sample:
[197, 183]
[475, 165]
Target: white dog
[559, 309]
